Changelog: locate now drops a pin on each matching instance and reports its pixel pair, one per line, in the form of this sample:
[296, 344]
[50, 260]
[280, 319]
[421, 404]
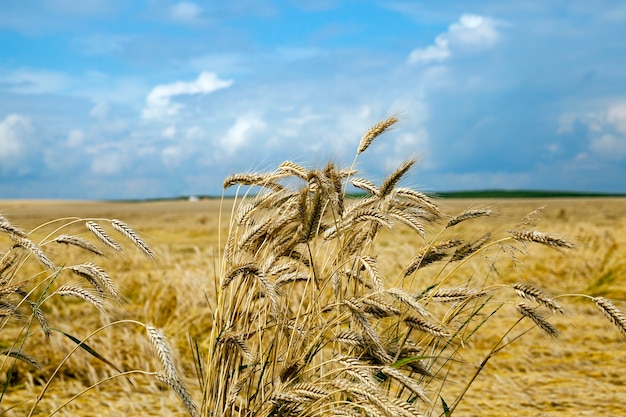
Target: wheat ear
[78, 242]
[35, 250]
[467, 215]
[375, 131]
[612, 313]
[169, 375]
[543, 324]
[127, 231]
[535, 294]
[102, 236]
[74, 291]
[539, 237]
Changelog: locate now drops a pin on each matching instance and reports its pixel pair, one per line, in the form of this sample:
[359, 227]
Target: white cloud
[608, 145]
[102, 44]
[108, 163]
[606, 129]
[100, 110]
[158, 101]
[195, 132]
[616, 116]
[34, 81]
[471, 33]
[186, 12]
[14, 132]
[169, 132]
[241, 132]
[171, 156]
[75, 138]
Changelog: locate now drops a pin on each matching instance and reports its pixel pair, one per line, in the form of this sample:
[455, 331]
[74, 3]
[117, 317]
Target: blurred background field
[580, 373]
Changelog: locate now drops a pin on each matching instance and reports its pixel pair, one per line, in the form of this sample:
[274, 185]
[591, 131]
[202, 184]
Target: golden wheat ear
[374, 132]
[133, 236]
[102, 236]
[79, 243]
[612, 313]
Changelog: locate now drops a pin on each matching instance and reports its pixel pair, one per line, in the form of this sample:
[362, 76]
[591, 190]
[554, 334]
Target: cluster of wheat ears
[306, 321]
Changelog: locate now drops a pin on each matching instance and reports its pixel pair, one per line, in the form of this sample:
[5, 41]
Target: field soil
[581, 372]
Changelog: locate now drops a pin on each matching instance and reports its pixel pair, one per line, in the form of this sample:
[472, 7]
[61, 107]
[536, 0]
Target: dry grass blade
[35, 250]
[467, 215]
[102, 236]
[612, 313]
[73, 291]
[127, 231]
[535, 294]
[78, 242]
[543, 324]
[375, 131]
[542, 238]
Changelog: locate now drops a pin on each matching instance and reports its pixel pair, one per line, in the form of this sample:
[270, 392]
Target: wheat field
[578, 373]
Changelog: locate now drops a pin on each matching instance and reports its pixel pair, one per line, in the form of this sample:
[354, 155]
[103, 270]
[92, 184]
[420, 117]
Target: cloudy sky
[106, 99]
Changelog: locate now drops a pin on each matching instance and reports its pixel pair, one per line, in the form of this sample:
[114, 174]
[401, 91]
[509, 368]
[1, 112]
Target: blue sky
[107, 99]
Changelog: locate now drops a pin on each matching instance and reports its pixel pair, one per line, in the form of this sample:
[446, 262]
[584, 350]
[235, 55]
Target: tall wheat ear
[311, 319]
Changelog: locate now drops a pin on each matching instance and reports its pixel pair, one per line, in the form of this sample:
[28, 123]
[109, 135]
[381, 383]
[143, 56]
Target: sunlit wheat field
[580, 372]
